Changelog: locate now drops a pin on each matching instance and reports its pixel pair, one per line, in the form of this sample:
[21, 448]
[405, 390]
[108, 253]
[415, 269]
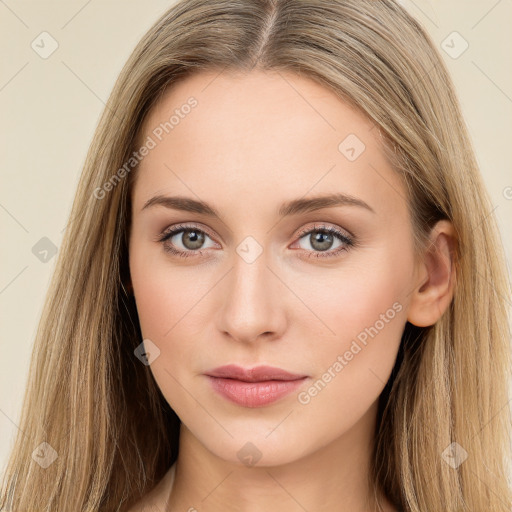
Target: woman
[280, 286]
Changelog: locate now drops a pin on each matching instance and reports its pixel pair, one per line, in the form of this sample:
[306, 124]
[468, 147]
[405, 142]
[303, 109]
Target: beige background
[50, 108]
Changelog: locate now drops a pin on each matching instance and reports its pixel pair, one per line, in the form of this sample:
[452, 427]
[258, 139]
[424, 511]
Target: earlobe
[434, 292]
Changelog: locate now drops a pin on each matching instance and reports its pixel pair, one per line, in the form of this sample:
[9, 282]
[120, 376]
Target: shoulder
[156, 499]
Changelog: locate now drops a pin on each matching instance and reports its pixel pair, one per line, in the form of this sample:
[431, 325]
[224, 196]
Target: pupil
[193, 239]
[322, 241]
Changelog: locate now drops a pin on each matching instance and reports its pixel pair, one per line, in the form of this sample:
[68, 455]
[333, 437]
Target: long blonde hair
[100, 409]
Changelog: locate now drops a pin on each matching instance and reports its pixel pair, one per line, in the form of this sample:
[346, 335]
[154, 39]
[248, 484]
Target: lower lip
[254, 394]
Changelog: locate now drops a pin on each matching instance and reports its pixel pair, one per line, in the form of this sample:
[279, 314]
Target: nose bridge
[250, 306]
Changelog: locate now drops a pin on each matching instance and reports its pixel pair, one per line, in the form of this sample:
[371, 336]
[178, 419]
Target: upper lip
[256, 374]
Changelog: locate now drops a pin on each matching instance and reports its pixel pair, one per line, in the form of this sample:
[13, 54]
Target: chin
[251, 448]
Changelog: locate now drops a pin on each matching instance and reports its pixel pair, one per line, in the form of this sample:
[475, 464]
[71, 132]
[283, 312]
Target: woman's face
[262, 282]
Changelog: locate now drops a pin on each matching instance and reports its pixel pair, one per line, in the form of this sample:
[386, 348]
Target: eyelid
[318, 226]
[183, 226]
[344, 235]
[300, 234]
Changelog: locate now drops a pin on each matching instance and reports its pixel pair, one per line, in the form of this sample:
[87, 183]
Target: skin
[253, 142]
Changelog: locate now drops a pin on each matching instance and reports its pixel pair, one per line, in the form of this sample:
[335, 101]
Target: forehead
[260, 135]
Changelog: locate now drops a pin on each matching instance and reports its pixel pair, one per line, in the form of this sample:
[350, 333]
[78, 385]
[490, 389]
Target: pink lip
[253, 387]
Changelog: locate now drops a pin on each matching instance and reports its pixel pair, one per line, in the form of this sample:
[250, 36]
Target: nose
[253, 301]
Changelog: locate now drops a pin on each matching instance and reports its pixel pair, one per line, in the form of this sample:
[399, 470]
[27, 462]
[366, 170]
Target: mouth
[253, 387]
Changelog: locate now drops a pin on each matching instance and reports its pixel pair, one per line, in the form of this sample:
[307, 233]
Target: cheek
[165, 301]
[171, 304]
[359, 296]
[164, 294]
[363, 310]
[352, 367]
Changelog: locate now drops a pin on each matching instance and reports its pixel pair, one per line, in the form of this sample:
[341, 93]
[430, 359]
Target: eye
[187, 238]
[321, 239]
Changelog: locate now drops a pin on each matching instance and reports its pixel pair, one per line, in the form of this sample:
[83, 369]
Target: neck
[333, 478]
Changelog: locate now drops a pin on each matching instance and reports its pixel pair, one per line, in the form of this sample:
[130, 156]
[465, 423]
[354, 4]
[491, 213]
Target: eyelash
[348, 242]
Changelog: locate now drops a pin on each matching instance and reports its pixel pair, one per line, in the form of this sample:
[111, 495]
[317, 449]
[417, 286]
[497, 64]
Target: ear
[436, 277]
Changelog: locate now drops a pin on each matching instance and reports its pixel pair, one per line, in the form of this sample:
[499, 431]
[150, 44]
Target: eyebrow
[294, 207]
